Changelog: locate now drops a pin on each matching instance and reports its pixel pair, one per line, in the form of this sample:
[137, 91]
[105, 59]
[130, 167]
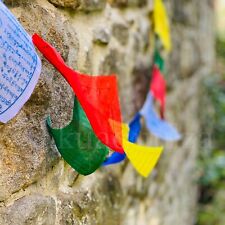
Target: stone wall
[98, 37]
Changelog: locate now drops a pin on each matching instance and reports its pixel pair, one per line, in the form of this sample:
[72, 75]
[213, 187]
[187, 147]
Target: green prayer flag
[158, 60]
[78, 144]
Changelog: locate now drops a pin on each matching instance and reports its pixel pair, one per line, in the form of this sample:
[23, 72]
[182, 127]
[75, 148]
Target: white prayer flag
[20, 65]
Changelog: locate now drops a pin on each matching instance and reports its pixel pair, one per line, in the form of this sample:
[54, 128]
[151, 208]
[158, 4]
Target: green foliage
[215, 93]
[213, 212]
[212, 162]
[220, 47]
[214, 169]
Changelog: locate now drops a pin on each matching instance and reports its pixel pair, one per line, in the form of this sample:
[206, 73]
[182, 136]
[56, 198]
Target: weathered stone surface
[140, 84]
[85, 205]
[92, 5]
[26, 150]
[66, 3]
[121, 32]
[30, 210]
[123, 3]
[101, 35]
[15, 3]
[139, 3]
[120, 3]
[86, 5]
[113, 63]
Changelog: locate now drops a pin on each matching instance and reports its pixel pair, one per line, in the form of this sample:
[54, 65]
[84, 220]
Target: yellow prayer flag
[142, 158]
[161, 24]
[125, 131]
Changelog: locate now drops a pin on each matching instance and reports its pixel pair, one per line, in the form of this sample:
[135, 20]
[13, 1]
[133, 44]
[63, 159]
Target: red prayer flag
[98, 96]
[158, 88]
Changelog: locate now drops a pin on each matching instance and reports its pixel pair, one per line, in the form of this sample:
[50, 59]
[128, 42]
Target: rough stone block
[30, 210]
[85, 5]
[121, 32]
[92, 5]
[101, 35]
[66, 3]
[124, 3]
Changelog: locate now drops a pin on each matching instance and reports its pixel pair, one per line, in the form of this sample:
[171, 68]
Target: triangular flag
[115, 158]
[161, 24]
[135, 128]
[142, 158]
[20, 65]
[158, 60]
[158, 89]
[158, 127]
[102, 92]
[134, 132]
[94, 94]
[78, 144]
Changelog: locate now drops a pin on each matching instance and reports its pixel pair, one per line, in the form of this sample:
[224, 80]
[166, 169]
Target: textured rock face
[68, 3]
[86, 5]
[34, 209]
[36, 186]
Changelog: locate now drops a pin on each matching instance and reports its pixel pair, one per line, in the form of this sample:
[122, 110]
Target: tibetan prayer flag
[142, 158]
[77, 143]
[20, 65]
[158, 127]
[158, 60]
[97, 95]
[115, 158]
[134, 132]
[158, 88]
[135, 128]
[161, 23]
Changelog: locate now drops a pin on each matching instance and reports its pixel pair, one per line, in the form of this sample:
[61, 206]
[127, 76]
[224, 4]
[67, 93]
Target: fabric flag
[97, 95]
[134, 132]
[158, 60]
[115, 158]
[20, 66]
[158, 89]
[159, 127]
[135, 128]
[161, 24]
[142, 158]
[77, 143]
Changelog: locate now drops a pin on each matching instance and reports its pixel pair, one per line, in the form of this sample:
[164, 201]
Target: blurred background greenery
[212, 156]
